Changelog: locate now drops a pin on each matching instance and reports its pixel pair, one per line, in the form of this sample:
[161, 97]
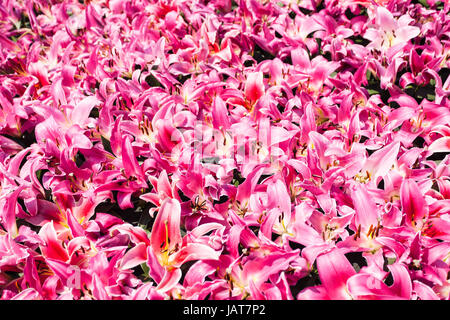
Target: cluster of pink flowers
[246, 149]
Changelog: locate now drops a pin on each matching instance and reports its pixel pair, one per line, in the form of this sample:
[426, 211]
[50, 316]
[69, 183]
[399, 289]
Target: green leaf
[424, 3]
[373, 91]
[390, 261]
[40, 173]
[237, 178]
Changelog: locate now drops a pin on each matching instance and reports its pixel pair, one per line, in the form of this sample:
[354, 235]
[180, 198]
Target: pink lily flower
[12, 253]
[168, 250]
[423, 69]
[9, 212]
[366, 286]
[318, 69]
[388, 32]
[341, 282]
[163, 189]
[413, 204]
[222, 149]
[334, 272]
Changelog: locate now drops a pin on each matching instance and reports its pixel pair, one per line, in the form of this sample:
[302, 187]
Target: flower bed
[246, 149]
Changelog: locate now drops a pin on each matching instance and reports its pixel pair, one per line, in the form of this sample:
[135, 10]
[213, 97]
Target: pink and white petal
[166, 228]
[440, 145]
[366, 286]
[385, 19]
[27, 294]
[366, 212]
[314, 293]
[406, 33]
[193, 251]
[169, 280]
[254, 86]
[402, 285]
[424, 292]
[413, 203]
[334, 271]
[134, 257]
